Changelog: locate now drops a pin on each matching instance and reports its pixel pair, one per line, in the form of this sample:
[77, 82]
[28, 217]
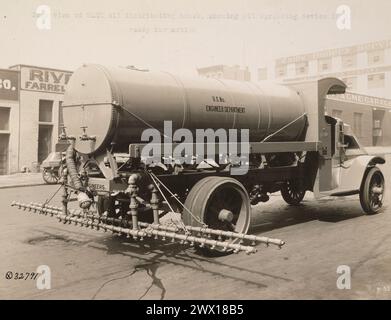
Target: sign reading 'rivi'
[47, 80]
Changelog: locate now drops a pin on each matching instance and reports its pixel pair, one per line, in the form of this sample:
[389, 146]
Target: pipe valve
[85, 136]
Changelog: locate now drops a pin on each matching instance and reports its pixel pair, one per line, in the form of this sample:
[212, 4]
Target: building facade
[30, 117]
[226, 72]
[365, 68]
[369, 117]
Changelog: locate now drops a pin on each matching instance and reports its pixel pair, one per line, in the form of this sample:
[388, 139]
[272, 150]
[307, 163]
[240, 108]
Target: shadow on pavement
[327, 210]
[151, 251]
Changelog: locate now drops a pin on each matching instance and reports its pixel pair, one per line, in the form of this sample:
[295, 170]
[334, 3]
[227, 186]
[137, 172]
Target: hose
[71, 166]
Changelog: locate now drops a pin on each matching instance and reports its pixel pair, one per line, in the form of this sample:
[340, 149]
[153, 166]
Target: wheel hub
[226, 215]
[377, 190]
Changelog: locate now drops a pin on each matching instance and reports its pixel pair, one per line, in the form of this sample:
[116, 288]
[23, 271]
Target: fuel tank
[113, 105]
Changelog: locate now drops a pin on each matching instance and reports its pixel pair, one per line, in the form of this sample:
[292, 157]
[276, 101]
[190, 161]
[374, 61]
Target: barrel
[109, 107]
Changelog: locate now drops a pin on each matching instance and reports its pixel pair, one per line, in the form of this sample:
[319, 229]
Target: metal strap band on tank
[142, 120]
[284, 127]
[184, 97]
[268, 108]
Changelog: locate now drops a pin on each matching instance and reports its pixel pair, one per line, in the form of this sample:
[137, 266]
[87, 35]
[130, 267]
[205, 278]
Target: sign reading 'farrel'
[48, 80]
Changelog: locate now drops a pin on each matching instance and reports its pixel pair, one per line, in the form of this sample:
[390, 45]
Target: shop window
[349, 61]
[281, 70]
[4, 118]
[376, 124]
[376, 81]
[45, 111]
[302, 68]
[375, 57]
[357, 124]
[324, 65]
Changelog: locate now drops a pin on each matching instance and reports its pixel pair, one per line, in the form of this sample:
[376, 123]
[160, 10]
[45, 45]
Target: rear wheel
[50, 176]
[220, 203]
[372, 191]
[293, 192]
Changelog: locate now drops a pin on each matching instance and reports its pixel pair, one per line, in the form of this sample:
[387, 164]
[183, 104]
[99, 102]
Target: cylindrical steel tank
[116, 104]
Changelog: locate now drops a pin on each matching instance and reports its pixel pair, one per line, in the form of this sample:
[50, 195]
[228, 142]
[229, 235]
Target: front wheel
[293, 192]
[372, 191]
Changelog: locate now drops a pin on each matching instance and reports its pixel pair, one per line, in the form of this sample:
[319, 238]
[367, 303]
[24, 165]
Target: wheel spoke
[293, 192]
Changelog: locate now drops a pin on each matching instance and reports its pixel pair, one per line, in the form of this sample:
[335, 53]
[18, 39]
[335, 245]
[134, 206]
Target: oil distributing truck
[294, 147]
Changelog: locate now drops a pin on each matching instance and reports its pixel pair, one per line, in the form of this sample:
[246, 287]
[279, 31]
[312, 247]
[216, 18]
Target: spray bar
[199, 230]
[89, 219]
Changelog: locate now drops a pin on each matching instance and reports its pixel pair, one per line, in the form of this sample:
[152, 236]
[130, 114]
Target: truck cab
[353, 170]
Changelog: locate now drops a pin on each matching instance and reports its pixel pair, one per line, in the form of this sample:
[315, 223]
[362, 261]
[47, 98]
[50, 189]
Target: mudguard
[352, 172]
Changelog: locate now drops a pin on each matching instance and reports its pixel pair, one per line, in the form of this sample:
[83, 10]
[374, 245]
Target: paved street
[21, 179]
[89, 264]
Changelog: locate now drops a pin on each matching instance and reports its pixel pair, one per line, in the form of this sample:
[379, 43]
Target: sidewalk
[21, 180]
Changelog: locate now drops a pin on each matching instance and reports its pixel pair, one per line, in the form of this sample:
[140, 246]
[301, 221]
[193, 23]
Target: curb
[23, 185]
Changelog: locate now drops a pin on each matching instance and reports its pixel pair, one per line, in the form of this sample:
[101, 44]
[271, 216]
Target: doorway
[4, 142]
[44, 141]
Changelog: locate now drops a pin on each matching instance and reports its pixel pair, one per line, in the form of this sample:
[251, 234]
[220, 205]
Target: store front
[9, 109]
[41, 95]
[369, 117]
[30, 99]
